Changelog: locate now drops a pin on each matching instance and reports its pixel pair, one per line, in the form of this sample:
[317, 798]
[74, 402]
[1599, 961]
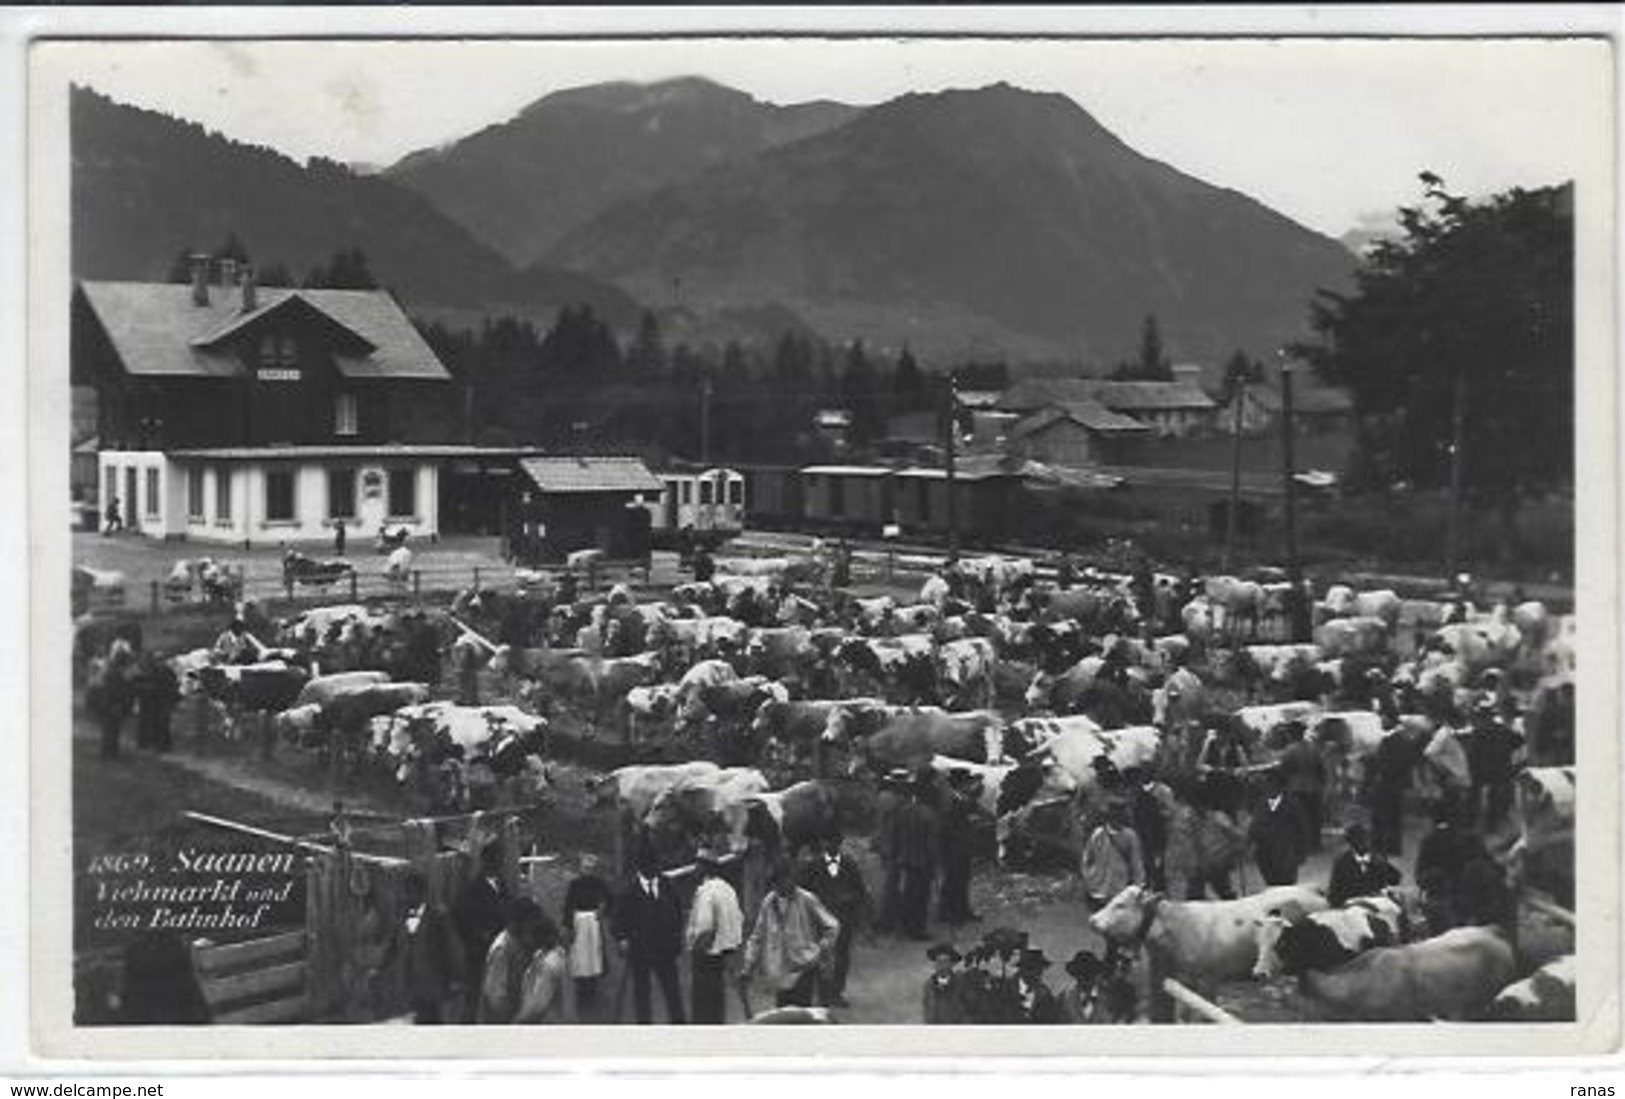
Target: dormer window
[279, 349]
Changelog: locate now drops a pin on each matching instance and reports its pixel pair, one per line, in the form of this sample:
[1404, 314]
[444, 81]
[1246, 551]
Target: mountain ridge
[985, 216]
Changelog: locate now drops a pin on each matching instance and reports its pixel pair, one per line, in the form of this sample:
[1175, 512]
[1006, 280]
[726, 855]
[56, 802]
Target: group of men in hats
[925, 837]
[1100, 991]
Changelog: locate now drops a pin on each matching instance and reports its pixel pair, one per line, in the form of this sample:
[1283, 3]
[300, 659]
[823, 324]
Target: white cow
[1201, 943]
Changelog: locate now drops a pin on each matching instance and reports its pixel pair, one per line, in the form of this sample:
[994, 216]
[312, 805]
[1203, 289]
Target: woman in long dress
[586, 914]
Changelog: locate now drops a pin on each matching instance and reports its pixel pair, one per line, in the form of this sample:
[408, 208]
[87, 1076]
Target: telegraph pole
[705, 419]
[1237, 397]
[953, 442]
[1299, 603]
[1458, 418]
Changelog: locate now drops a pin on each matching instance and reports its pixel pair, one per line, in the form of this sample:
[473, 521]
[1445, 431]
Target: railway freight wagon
[984, 500]
[773, 494]
[847, 498]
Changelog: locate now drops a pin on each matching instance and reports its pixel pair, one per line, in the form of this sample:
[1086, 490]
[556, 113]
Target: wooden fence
[349, 965]
[1189, 1007]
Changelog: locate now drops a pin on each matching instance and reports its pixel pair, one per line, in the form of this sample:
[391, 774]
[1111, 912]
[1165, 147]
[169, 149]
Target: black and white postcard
[558, 545]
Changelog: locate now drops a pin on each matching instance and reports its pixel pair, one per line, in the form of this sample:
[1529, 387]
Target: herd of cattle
[760, 697]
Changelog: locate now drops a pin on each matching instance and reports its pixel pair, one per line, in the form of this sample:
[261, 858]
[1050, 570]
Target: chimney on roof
[228, 271]
[200, 278]
[251, 297]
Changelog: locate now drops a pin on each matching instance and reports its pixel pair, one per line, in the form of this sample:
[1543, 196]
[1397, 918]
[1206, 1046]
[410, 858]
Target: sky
[1331, 133]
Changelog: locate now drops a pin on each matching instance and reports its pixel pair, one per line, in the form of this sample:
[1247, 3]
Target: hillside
[994, 220]
[145, 186]
[521, 184]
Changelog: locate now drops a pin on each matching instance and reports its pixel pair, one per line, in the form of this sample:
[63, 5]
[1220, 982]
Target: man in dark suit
[832, 875]
[649, 927]
[1358, 871]
[431, 955]
[916, 840]
[479, 916]
[1276, 834]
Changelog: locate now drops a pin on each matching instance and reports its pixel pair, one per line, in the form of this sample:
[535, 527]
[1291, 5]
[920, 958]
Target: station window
[341, 493]
[152, 492]
[194, 493]
[279, 496]
[222, 493]
[706, 493]
[403, 493]
[736, 493]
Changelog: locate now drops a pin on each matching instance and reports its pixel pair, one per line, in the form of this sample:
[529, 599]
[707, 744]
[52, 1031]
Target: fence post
[476, 579]
[417, 578]
[352, 585]
[155, 597]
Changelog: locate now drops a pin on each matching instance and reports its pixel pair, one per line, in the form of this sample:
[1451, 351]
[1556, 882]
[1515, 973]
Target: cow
[1545, 996]
[795, 817]
[727, 704]
[636, 788]
[967, 670]
[648, 705]
[326, 688]
[910, 740]
[1275, 665]
[780, 652]
[1342, 637]
[398, 565]
[1292, 942]
[901, 667]
[695, 804]
[1237, 602]
[1180, 700]
[1086, 760]
[1063, 693]
[1201, 943]
[1256, 723]
[1453, 976]
[752, 566]
[935, 591]
[536, 664]
[798, 724]
[1542, 853]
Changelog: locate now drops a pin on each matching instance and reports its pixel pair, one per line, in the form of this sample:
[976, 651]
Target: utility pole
[1458, 419]
[705, 419]
[953, 442]
[1238, 394]
[1298, 603]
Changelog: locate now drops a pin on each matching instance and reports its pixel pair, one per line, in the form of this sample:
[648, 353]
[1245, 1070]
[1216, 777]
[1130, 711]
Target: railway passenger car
[708, 502]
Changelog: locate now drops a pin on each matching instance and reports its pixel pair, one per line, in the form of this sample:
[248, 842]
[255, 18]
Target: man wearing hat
[1034, 1000]
[1492, 763]
[832, 875]
[943, 1000]
[960, 821]
[892, 795]
[1078, 1002]
[1359, 871]
[1276, 833]
[716, 928]
[794, 935]
[916, 838]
